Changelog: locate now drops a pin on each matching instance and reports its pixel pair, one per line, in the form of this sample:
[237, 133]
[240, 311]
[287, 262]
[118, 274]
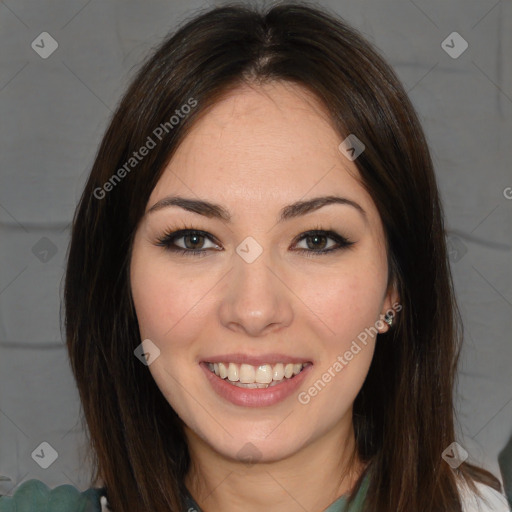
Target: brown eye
[191, 242]
[195, 240]
[187, 241]
[317, 242]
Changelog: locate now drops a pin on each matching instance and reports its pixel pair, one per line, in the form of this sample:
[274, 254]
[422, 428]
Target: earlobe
[386, 320]
[392, 303]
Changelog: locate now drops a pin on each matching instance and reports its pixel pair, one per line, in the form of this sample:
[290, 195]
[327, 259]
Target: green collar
[340, 505]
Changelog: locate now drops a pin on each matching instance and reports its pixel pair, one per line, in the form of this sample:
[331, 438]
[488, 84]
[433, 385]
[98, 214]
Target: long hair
[404, 414]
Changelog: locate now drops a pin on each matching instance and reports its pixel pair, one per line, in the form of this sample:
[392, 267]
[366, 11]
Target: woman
[259, 308]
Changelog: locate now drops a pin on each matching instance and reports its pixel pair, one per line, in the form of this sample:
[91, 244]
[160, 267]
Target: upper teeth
[262, 374]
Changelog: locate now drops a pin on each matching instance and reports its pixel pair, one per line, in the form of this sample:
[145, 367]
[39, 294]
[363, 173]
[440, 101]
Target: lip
[254, 397]
[239, 358]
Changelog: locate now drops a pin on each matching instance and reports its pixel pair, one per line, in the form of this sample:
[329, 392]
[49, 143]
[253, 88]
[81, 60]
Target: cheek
[346, 308]
[348, 299]
[168, 305]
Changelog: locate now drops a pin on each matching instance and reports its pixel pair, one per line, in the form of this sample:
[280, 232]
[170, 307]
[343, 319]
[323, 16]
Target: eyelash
[169, 237]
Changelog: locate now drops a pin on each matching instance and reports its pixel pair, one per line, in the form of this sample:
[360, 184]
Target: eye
[187, 241]
[190, 242]
[317, 242]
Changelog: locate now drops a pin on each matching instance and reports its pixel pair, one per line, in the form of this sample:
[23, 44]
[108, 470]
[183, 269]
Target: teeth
[288, 370]
[278, 372]
[223, 371]
[233, 372]
[262, 376]
[247, 374]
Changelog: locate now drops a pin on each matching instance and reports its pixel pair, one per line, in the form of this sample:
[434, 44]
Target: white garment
[491, 501]
[104, 504]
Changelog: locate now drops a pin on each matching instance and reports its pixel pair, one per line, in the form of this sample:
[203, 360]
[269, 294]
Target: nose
[256, 299]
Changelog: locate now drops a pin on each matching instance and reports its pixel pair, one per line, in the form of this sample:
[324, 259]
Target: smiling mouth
[261, 376]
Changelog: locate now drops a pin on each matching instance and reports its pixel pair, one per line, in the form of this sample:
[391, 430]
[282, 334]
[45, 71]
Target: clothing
[505, 463]
[491, 499]
[35, 496]
[337, 506]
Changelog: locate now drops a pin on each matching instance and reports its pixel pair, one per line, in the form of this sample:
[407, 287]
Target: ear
[390, 307]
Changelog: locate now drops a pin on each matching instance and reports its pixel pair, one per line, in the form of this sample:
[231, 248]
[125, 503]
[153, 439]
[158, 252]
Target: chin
[251, 448]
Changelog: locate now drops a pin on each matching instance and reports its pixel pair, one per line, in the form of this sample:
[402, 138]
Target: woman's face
[260, 291]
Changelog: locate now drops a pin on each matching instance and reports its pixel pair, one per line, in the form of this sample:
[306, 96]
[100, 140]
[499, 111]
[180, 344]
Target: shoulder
[35, 496]
[489, 500]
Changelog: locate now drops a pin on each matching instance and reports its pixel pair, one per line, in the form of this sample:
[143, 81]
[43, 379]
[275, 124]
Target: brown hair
[404, 413]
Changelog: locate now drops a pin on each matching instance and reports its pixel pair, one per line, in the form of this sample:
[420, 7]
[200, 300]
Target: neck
[310, 479]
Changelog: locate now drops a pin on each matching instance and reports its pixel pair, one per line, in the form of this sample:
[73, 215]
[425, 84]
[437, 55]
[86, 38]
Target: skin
[257, 150]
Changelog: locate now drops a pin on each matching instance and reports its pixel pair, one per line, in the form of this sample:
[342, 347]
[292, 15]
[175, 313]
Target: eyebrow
[291, 211]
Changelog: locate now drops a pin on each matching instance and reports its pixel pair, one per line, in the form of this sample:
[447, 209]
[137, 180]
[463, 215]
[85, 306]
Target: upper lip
[256, 360]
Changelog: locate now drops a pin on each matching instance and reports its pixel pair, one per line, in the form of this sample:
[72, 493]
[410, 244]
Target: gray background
[53, 113]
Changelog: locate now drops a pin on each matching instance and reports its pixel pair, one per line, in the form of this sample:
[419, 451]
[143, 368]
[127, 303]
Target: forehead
[261, 144]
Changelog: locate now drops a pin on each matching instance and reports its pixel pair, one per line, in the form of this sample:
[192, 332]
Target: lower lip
[261, 397]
